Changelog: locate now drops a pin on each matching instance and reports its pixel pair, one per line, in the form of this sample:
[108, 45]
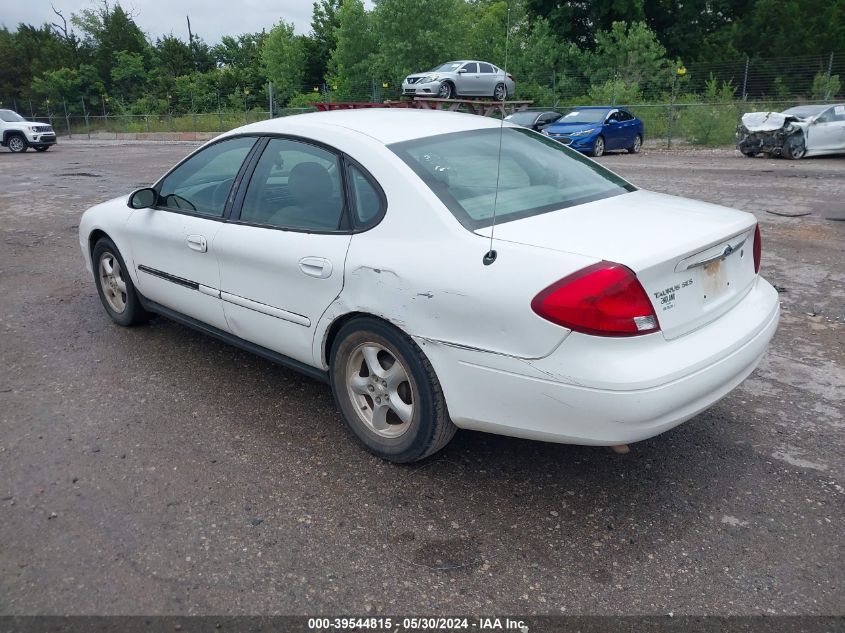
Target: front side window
[471, 67]
[536, 174]
[201, 184]
[295, 186]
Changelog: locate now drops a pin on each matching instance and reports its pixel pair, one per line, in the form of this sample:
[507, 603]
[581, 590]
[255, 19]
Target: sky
[210, 19]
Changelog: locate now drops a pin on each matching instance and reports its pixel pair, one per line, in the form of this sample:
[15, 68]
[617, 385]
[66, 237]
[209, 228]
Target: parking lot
[154, 470]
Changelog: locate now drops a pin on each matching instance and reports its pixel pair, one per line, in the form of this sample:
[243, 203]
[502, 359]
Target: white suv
[18, 134]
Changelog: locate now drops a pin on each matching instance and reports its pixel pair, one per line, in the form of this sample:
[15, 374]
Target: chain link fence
[700, 104]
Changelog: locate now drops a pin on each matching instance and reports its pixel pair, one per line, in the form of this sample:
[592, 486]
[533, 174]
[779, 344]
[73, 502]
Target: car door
[488, 79]
[624, 129]
[173, 243]
[827, 132]
[282, 254]
[469, 80]
[612, 131]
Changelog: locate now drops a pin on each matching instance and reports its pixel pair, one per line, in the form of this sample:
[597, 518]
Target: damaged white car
[808, 130]
[355, 246]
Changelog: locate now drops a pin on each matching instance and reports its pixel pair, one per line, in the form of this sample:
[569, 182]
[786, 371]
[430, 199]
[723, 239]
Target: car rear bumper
[606, 391]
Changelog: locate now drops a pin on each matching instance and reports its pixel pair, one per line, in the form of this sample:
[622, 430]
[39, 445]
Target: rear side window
[366, 198]
[486, 68]
[202, 183]
[536, 174]
[295, 186]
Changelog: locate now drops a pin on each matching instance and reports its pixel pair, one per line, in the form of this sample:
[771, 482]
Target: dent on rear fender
[435, 317]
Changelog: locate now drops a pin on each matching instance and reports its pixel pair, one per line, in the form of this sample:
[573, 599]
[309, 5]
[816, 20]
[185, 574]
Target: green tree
[322, 41]
[174, 57]
[128, 75]
[415, 36]
[578, 20]
[349, 65]
[283, 55]
[109, 30]
[633, 53]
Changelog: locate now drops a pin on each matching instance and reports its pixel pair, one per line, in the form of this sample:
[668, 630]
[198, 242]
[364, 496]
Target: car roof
[386, 125]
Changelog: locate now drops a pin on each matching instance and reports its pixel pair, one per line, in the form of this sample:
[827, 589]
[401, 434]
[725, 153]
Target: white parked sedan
[353, 246]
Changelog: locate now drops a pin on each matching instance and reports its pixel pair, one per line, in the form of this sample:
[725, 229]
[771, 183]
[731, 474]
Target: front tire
[17, 143]
[445, 91]
[598, 147]
[115, 287]
[387, 392]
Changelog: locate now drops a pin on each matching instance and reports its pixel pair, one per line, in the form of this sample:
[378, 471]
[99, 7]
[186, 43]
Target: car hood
[770, 121]
[571, 128]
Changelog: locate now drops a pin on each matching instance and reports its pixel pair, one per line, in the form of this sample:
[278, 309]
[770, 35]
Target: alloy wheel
[112, 282]
[17, 144]
[380, 389]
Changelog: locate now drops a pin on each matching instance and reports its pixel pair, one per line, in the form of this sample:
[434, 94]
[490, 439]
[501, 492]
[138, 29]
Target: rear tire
[500, 92]
[387, 392]
[114, 285]
[17, 143]
[637, 146]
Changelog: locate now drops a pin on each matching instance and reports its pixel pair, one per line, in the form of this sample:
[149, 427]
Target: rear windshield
[10, 117]
[536, 174]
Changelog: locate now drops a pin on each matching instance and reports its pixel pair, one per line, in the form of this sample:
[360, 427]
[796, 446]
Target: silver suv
[18, 134]
[467, 78]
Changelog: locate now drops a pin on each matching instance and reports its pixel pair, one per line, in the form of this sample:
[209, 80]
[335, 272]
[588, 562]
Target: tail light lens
[758, 249]
[605, 299]
[511, 77]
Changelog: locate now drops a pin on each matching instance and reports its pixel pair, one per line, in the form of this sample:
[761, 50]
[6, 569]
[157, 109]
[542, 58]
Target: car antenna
[490, 255]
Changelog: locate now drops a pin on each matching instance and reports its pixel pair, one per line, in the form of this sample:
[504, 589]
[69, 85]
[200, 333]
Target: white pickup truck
[18, 134]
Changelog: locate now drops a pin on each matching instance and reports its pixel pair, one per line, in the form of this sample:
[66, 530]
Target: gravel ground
[156, 471]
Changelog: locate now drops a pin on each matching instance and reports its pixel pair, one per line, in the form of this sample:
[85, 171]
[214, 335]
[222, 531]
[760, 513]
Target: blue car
[597, 129]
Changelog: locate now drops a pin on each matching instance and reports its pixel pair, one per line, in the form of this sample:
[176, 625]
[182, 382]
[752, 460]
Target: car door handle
[318, 267]
[197, 243]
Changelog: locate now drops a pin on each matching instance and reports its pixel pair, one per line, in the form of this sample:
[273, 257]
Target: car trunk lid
[694, 259]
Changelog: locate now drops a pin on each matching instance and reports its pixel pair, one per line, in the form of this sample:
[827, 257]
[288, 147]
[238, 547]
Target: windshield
[11, 117]
[537, 174]
[806, 111]
[446, 68]
[584, 116]
[522, 118]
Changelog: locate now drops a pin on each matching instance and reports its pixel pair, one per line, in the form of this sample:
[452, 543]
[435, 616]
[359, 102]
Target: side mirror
[461, 71]
[611, 122]
[143, 198]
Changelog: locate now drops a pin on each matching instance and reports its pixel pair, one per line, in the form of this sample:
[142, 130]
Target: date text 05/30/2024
[418, 624]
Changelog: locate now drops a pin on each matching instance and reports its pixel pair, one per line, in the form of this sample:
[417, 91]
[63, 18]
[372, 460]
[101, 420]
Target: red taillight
[605, 299]
[511, 77]
[758, 249]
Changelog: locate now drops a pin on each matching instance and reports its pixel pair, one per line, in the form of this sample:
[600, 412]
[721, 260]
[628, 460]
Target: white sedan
[355, 246]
